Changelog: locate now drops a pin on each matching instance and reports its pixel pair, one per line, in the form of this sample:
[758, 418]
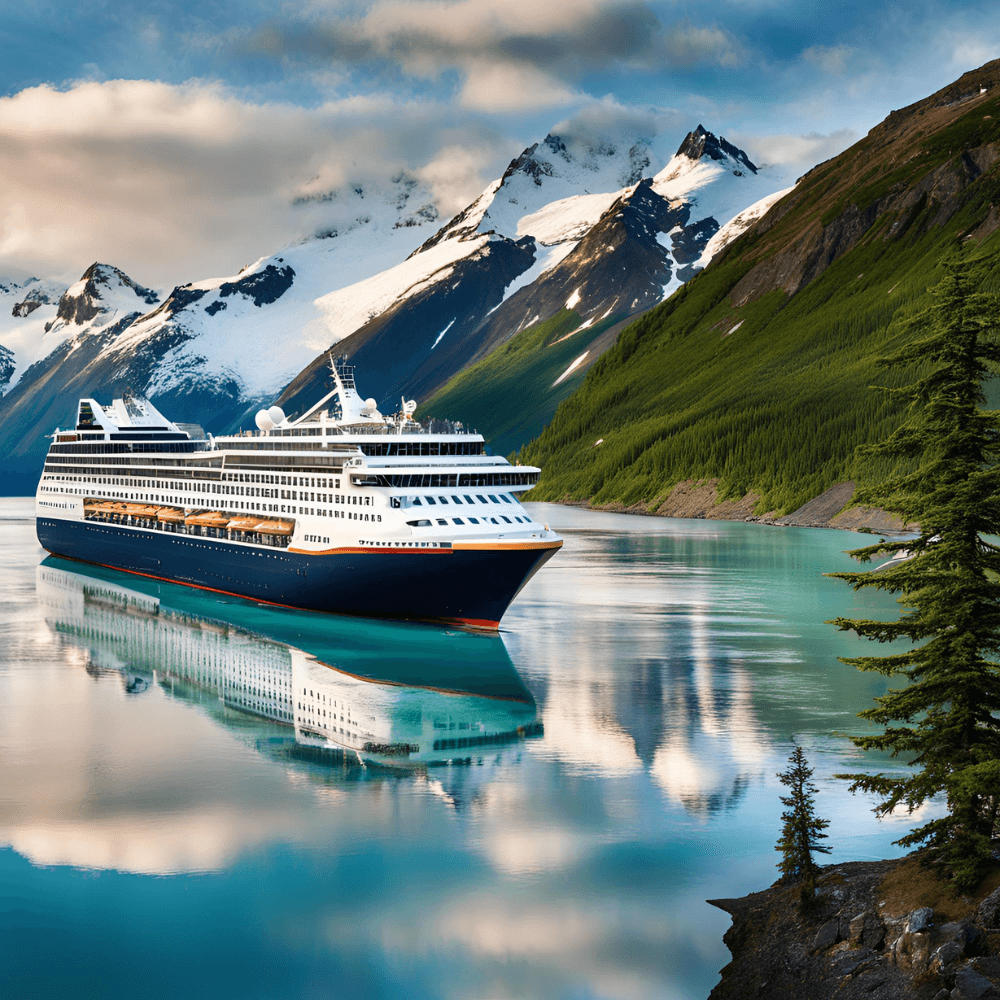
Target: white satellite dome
[263, 420]
[370, 405]
[277, 415]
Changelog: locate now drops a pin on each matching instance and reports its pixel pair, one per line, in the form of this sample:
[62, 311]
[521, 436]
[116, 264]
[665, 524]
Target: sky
[175, 139]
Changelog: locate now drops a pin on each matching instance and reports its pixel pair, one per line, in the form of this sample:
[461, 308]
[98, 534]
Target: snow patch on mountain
[740, 223]
[572, 368]
[567, 218]
[347, 309]
[437, 340]
[25, 309]
[260, 327]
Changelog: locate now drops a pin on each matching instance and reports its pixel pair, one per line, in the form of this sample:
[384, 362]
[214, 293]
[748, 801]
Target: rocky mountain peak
[103, 288]
[36, 294]
[701, 143]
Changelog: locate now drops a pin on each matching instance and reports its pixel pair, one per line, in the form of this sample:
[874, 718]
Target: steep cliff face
[591, 275]
[755, 374]
[913, 172]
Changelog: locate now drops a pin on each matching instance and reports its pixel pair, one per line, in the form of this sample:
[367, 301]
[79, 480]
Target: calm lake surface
[539, 815]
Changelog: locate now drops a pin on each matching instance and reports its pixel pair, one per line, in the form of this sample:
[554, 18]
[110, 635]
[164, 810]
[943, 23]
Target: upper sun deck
[340, 423]
[343, 413]
[342, 417]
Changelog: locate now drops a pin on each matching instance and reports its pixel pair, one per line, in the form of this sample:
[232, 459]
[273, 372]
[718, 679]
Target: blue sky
[123, 126]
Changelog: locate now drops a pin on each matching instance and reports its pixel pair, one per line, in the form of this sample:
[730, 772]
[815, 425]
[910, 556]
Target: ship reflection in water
[351, 694]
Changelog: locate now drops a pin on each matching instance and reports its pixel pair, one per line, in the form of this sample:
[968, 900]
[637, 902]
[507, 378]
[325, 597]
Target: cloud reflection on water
[669, 665]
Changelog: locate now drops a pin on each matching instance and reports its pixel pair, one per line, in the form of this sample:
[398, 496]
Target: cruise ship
[342, 509]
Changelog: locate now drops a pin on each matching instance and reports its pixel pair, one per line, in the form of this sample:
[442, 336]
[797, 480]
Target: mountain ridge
[754, 373]
[411, 325]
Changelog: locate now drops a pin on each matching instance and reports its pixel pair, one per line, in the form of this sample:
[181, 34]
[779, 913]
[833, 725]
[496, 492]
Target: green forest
[773, 397]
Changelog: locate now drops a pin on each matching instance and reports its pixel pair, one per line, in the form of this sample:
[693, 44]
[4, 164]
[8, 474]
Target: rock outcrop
[864, 940]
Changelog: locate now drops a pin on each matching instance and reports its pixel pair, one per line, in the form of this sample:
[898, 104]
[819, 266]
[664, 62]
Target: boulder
[912, 950]
[988, 914]
[919, 920]
[867, 930]
[972, 985]
[827, 935]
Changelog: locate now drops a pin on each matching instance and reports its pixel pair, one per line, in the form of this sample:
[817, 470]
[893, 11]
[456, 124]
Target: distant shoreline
[699, 499]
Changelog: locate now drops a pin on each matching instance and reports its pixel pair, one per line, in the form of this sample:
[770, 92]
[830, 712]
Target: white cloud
[504, 60]
[609, 119]
[453, 172]
[831, 59]
[469, 25]
[687, 44]
[511, 86]
[177, 182]
[799, 151]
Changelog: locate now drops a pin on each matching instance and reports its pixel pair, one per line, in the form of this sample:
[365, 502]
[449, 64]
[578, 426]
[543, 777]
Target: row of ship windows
[242, 505]
[433, 501]
[413, 448]
[199, 484]
[247, 703]
[109, 448]
[463, 479]
[312, 722]
[375, 448]
[322, 698]
[426, 523]
[223, 489]
[334, 498]
[322, 712]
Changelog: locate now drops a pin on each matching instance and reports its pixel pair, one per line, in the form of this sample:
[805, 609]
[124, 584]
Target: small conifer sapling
[803, 829]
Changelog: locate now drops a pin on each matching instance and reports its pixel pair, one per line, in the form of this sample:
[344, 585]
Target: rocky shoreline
[700, 499]
[880, 930]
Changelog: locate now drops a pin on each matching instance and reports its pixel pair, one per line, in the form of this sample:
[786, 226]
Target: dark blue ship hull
[469, 586]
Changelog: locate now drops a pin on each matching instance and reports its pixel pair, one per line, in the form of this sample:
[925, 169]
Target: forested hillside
[757, 372]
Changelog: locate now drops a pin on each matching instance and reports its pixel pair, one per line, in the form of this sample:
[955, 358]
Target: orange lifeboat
[275, 527]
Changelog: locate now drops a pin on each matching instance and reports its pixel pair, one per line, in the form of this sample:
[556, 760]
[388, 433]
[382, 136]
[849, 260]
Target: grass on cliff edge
[911, 885]
[772, 398]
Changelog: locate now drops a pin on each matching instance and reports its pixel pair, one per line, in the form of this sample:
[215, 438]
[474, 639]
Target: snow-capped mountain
[570, 224]
[610, 251]
[88, 318]
[25, 308]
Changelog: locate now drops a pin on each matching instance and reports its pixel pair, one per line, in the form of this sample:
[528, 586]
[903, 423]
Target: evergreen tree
[944, 720]
[802, 829]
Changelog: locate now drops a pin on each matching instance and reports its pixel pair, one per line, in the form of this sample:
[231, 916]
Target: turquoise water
[536, 815]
